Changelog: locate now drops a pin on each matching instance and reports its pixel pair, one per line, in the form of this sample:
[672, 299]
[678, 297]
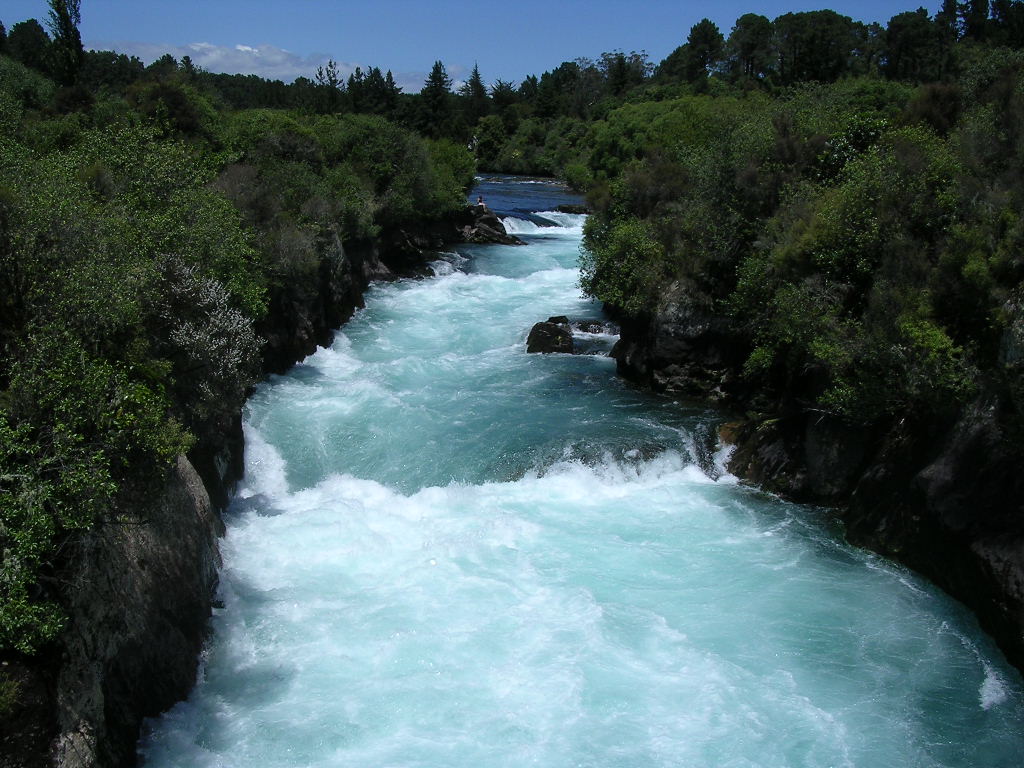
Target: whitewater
[446, 552]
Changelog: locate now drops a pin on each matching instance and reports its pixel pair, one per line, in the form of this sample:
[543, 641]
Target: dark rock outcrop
[952, 507]
[568, 208]
[479, 224]
[553, 335]
[138, 610]
[684, 348]
[302, 314]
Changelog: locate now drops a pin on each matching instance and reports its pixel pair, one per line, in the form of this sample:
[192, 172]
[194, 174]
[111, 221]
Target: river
[447, 553]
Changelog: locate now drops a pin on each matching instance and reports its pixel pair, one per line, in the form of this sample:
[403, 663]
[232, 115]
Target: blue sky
[507, 40]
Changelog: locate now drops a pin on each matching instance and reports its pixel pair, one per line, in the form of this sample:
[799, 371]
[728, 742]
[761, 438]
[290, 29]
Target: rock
[481, 225]
[551, 336]
[567, 208]
[591, 326]
[142, 596]
[949, 503]
[686, 347]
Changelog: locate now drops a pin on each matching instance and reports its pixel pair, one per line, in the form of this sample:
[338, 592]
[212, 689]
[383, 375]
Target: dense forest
[857, 220]
[846, 197]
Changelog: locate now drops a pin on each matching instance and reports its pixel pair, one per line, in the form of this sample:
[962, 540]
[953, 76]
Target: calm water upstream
[447, 553]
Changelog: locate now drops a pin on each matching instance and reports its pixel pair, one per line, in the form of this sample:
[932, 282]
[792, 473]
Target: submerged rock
[569, 208]
[553, 335]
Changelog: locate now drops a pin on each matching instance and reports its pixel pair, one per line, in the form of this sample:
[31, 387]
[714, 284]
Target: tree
[66, 51]
[504, 97]
[3, 38]
[436, 112]
[705, 47]
[329, 87]
[373, 93]
[948, 31]
[29, 44]
[164, 68]
[622, 72]
[556, 88]
[750, 46]
[392, 92]
[474, 95]
[974, 14]
[817, 45]
[911, 47]
[1007, 23]
[529, 88]
[490, 136]
[328, 75]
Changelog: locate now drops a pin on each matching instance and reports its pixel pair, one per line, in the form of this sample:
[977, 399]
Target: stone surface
[141, 596]
[482, 225]
[554, 335]
[685, 348]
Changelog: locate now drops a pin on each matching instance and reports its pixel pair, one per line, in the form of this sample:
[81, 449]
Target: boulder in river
[479, 224]
[569, 208]
[553, 335]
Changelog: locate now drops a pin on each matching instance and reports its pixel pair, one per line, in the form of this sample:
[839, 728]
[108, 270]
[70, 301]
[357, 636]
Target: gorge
[447, 551]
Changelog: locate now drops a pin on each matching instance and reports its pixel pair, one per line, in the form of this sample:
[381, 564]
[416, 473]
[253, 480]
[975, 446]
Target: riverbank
[140, 593]
[942, 497]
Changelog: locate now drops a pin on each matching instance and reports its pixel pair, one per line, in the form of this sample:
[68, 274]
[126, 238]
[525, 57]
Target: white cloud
[264, 60]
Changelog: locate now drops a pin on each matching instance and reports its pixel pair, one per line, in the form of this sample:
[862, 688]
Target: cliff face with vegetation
[158, 255]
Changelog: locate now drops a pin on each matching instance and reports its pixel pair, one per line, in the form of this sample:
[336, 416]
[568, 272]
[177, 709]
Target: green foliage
[24, 87]
[107, 352]
[453, 170]
[74, 425]
[864, 235]
[489, 137]
[623, 264]
[175, 109]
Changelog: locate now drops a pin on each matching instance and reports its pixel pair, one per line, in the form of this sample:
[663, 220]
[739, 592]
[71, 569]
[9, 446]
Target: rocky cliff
[139, 589]
[138, 611]
[945, 496]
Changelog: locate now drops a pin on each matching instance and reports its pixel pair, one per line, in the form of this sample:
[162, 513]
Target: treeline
[145, 229]
[540, 125]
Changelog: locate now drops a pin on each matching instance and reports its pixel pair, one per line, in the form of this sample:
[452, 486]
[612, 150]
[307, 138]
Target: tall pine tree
[436, 109]
[66, 51]
[474, 97]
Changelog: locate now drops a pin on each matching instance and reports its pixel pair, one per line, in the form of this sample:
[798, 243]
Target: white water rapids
[448, 553]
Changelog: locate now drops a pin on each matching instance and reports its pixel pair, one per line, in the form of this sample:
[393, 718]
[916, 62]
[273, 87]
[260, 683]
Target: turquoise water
[447, 552]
